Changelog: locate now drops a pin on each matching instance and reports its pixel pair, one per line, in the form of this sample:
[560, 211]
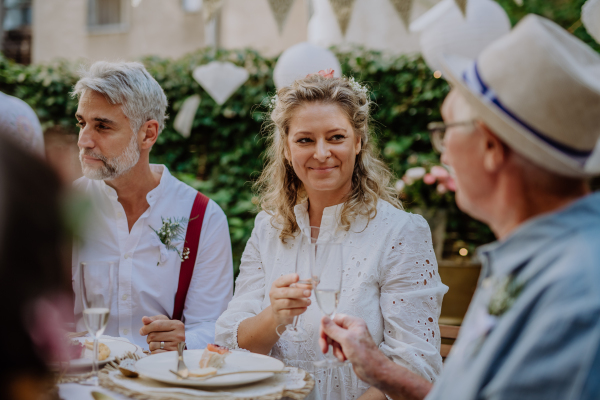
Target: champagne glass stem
[295, 321]
[95, 361]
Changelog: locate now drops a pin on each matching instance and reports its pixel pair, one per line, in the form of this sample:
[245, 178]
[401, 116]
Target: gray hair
[128, 84]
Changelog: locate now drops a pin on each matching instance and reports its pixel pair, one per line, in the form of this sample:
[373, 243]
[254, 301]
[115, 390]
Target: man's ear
[149, 134]
[495, 152]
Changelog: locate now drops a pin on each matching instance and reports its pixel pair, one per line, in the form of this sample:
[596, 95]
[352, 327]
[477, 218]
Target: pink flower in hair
[326, 74]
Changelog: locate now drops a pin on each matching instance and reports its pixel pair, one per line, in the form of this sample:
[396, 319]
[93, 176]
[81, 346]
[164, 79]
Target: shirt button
[120, 214]
[126, 256]
[125, 331]
[124, 297]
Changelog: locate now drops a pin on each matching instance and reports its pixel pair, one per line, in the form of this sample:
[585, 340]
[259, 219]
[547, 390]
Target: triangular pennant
[519, 2]
[462, 4]
[185, 117]
[281, 10]
[404, 7]
[210, 8]
[343, 11]
[220, 79]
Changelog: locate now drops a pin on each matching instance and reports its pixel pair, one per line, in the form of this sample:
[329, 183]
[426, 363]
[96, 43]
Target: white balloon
[444, 30]
[590, 16]
[302, 59]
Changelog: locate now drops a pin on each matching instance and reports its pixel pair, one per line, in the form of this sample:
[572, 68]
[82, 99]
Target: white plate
[157, 367]
[118, 348]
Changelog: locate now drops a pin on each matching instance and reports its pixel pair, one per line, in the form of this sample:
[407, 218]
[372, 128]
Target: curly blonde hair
[279, 189]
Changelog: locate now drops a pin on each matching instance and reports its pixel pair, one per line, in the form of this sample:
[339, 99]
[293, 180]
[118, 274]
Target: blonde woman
[322, 171]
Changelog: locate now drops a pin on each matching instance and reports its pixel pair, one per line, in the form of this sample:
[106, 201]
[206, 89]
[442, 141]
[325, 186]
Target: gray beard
[113, 167]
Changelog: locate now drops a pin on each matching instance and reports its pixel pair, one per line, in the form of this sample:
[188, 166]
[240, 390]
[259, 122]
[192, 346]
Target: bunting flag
[281, 10]
[210, 8]
[185, 117]
[403, 7]
[343, 11]
[462, 4]
[519, 2]
[220, 79]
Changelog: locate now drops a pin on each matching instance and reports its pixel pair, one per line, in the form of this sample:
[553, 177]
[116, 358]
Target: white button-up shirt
[145, 288]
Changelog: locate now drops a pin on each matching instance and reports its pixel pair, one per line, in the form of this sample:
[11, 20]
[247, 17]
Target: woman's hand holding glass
[289, 298]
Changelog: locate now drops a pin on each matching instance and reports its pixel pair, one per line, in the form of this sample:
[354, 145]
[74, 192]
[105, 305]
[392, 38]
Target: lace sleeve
[249, 292]
[411, 300]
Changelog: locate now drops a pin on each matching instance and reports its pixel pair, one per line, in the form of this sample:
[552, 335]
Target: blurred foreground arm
[352, 341]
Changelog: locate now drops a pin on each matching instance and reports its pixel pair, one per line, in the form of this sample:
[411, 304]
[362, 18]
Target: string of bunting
[281, 10]
[403, 7]
[343, 11]
[210, 8]
[462, 4]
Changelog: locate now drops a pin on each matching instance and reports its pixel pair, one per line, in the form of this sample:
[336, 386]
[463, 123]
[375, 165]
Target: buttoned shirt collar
[329, 220]
[153, 195]
[503, 257]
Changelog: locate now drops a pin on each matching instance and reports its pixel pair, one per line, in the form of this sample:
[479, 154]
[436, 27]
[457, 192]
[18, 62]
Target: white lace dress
[390, 280]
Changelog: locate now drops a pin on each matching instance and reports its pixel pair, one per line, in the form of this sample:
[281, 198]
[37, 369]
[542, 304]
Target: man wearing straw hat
[521, 125]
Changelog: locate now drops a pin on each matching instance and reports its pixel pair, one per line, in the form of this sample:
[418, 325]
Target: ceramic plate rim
[78, 362]
[250, 378]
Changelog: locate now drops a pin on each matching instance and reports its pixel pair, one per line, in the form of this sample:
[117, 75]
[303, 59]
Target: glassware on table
[293, 332]
[327, 269]
[97, 285]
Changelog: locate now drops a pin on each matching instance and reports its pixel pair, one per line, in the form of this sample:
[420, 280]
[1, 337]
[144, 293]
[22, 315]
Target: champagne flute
[97, 281]
[327, 269]
[293, 332]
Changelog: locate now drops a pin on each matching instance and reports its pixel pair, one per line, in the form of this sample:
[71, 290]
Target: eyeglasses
[437, 131]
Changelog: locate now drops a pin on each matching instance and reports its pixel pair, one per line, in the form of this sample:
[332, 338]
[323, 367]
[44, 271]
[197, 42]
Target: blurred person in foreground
[522, 122]
[140, 216]
[19, 123]
[34, 276]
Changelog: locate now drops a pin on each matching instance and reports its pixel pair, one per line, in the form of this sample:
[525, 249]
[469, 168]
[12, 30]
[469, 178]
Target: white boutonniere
[170, 233]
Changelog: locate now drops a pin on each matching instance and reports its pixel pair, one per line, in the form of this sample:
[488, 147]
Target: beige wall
[161, 27]
[155, 27]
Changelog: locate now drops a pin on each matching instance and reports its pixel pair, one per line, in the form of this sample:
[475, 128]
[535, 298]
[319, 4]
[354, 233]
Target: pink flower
[441, 188]
[439, 172]
[429, 179]
[326, 74]
[451, 184]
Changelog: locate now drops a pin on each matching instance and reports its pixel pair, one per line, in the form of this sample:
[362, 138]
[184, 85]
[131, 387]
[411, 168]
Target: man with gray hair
[170, 243]
[521, 125]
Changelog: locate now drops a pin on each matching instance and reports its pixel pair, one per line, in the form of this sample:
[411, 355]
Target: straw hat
[538, 89]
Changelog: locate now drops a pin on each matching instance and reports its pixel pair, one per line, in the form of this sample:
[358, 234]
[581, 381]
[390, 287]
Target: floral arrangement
[171, 231]
[426, 189]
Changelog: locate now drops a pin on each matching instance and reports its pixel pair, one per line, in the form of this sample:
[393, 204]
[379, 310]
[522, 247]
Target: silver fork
[182, 369]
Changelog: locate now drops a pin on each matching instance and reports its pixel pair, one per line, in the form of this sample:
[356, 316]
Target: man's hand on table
[160, 328]
[351, 340]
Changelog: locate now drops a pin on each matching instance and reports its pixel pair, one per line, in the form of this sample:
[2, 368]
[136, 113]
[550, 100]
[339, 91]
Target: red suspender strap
[192, 240]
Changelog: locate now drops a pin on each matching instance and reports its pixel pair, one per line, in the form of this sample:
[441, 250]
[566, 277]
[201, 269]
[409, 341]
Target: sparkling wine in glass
[293, 332]
[327, 269]
[97, 284]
